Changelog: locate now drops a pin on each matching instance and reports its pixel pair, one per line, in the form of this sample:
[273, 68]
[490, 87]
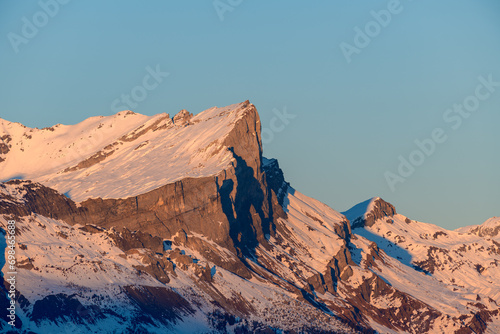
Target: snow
[491, 223]
[455, 281]
[70, 261]
[64, 254]
[464, 263]
[143, 160]
[313, 225]
[490, 228]
[12, 193]
[361, 209]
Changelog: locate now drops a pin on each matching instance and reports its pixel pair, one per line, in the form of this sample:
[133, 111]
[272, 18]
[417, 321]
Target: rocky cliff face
[234, 249]
[368, 212]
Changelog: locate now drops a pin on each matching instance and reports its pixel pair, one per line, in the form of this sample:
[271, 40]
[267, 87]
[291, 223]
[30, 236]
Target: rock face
[21, 198]
[234, 250]
[182, 118]
[490, 228]
[276, 180]
[4, 144]
[368, 212]
[451, 261]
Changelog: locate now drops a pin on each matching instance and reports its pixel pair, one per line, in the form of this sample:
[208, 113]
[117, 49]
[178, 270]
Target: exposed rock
[335, 269]
[275, 179]
[203, 273]
[26, 263]
[158, 266]
[4, 144]
[490, 228]
[235, 220]
[378, 209]
[92, 229]
[182, 118]
[183, 261]
[432, 263]
[126, 240]
[161, 123]
[223, 208]
[37, 199]
[372, 256]
[180, 238]
[91, 161]
[317, 282]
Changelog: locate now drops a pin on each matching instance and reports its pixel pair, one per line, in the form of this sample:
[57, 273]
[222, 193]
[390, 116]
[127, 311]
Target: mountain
[490, 228]
[451, 271]
[138, 224]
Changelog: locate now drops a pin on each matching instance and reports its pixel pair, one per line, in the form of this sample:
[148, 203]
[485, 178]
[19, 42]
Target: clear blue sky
[353, 120]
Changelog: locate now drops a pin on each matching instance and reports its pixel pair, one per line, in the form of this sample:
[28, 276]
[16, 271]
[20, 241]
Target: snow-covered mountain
[490, 228]
[454, 272]
[138, 224]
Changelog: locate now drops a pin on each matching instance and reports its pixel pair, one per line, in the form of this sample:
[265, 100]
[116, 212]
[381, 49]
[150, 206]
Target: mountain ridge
[112, 143]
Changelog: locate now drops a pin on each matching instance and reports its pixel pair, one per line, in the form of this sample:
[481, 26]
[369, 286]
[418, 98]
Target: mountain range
[157, 224]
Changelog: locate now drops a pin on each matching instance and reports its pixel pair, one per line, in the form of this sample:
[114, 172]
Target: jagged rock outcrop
[368, 212]
[127, 240]
[182, 117]
[490, 228]
[21, 198]
[339, 268]
[4, 144]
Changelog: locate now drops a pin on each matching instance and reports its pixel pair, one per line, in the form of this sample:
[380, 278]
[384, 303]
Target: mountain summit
[367, 212]
[490, 228]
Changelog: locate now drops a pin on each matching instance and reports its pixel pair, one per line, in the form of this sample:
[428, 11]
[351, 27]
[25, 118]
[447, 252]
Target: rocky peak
[490, 228]
[182, 117]
[125, 113]
[368, 212]
[228, 203]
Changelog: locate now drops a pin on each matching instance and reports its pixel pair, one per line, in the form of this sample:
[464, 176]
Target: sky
[396, 99]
